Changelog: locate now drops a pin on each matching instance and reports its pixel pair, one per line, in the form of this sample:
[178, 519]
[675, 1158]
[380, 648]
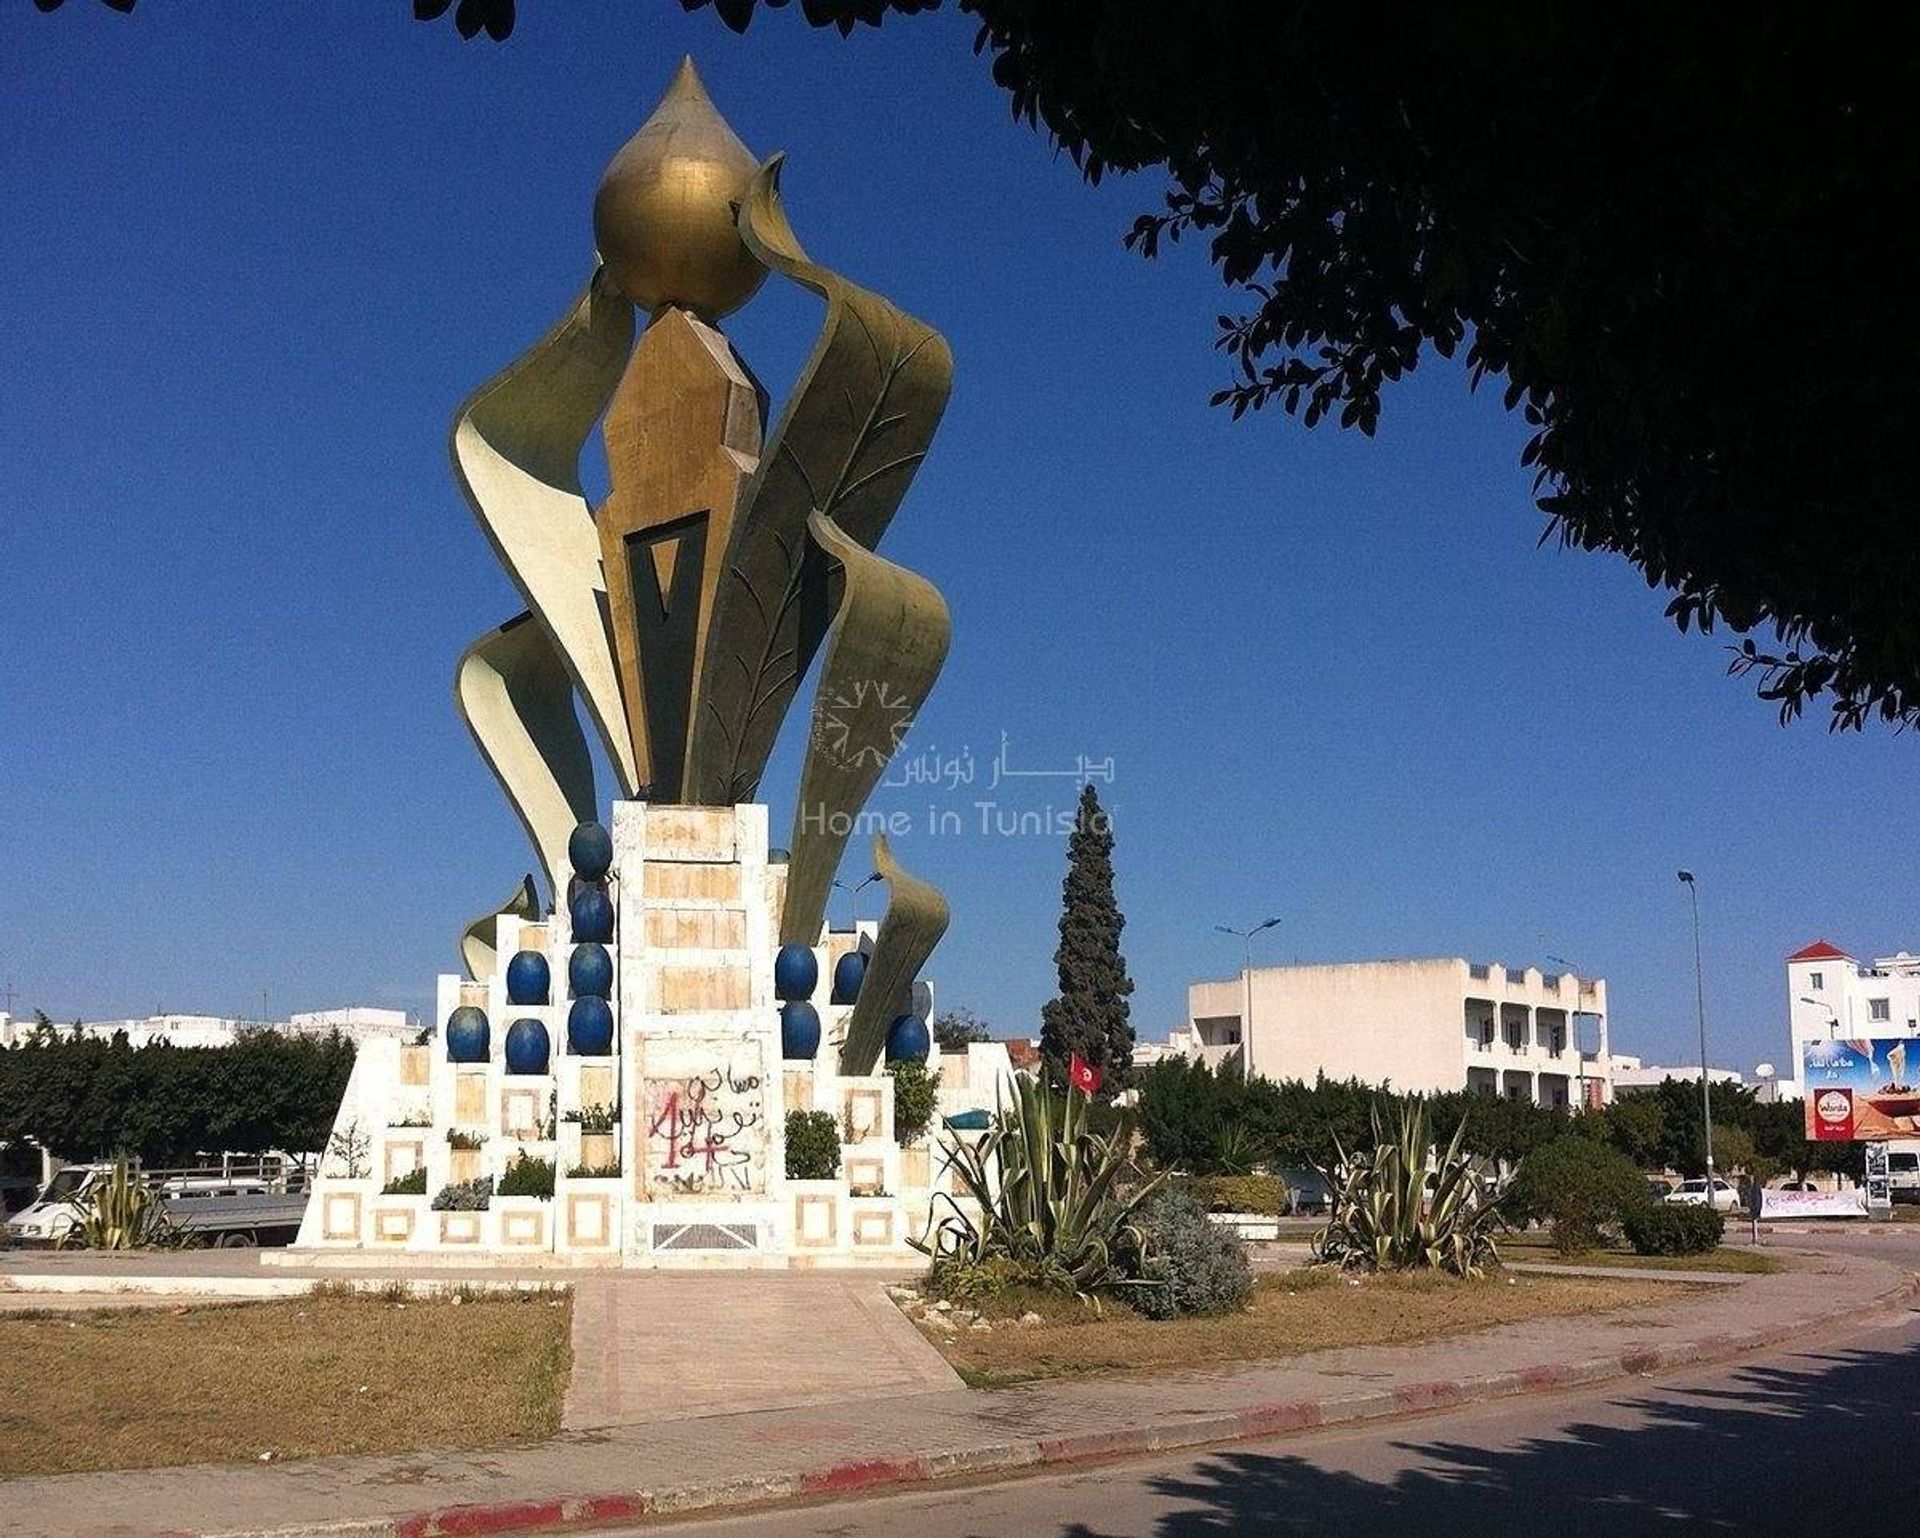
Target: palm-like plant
[1240, 1150]
[1385, 1216]
[1044, 1186]
[120, 1213]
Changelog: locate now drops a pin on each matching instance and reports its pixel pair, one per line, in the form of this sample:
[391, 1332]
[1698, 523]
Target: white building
[1630, 1074]
[356, 1022]
[1830, 994]
[1442, 1024]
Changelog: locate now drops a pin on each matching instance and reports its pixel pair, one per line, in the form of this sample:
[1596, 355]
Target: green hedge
[85, 1098]
[1672, 1228]
[1265, 1194]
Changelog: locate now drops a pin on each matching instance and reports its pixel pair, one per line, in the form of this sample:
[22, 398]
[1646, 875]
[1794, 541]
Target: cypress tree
[1089, 1015]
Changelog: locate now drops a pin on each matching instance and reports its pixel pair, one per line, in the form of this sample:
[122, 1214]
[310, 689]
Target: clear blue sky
[250, 262]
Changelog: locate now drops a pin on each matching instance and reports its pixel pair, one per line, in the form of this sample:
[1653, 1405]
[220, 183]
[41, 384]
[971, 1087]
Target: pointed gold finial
[663, 217]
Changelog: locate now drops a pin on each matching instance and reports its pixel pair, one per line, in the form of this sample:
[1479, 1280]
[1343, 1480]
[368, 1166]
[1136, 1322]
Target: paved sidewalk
[666, 1346]
[713, 1461]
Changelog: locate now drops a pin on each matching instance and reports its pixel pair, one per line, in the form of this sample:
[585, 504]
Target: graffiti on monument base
[703, 1120]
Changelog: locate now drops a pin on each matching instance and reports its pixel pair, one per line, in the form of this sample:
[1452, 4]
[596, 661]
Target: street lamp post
[1573, 1028]
[1700, 1005]
[1833, 1015]
[853, 893]
[1246, 978]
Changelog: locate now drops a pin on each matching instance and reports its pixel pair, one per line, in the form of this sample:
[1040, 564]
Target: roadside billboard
[1861, 1091]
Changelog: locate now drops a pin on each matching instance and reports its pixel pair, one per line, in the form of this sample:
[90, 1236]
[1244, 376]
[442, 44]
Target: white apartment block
[356, 1022]
[1830, 994]
[1433, 1025]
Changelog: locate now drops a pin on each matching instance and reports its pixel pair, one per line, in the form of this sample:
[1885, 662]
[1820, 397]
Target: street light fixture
[854, 892]
[1700, 1005]
[1246, 976]
[1833, 1015]
[1573, 1028]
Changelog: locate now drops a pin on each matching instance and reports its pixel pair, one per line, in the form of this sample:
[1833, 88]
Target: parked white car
[1693, 1193]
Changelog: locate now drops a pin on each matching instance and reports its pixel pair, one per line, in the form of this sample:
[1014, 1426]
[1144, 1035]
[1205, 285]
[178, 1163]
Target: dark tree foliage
[1189, 1114]
[86, 1098]
[956, 1029]
[1089, 1015]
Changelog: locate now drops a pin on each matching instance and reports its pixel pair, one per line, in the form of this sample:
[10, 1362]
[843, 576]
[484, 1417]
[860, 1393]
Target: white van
[1903, 1170]
[49, 1216]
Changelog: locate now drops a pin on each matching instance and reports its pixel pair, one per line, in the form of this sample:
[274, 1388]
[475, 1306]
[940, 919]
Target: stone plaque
[703, 1131]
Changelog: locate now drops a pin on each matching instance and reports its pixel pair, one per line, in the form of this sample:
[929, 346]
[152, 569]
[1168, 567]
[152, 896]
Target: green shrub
[813, 1145]
[595, 1118]
[1264, 1194]
[593, 1172]
[413, 1183]
[916, 1095]
[465, 1196]
[1672, 1228]
[1193, 1266]
[1578, 1188]
[527, 1176]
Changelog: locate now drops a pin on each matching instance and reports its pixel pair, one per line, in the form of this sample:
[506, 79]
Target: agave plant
[1044, 1186]
[1395, 1208]
[120, 1213]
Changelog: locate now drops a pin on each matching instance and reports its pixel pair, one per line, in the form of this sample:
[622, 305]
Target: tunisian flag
[1083, 1076]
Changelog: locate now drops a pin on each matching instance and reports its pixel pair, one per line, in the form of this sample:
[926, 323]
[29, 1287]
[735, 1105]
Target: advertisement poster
[1862, 1091]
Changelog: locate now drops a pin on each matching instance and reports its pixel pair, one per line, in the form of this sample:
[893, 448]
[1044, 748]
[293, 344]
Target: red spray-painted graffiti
[706, 1133]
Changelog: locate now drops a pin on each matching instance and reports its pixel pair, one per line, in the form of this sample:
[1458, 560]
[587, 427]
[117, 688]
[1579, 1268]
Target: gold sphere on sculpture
[663, 216]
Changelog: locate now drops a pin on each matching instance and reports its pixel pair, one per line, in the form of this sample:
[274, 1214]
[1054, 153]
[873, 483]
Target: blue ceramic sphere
[527, 1047]
[529, 979]
[591, 910]
[590, 971]
[799, 1029]
[907, 1038]
[590, 850]
[796, 972]
[849, 972]
[468, 1038]
[590, 1027]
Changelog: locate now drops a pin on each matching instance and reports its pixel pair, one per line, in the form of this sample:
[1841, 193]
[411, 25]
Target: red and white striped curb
[559, 1514]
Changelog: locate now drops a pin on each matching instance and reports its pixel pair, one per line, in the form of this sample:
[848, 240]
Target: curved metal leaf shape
[848, 442]
[513, 691]
[480, 946]
[516, 455]
[915, 919]
[886, 647]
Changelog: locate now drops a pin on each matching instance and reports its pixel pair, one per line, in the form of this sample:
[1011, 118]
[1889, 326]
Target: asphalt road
[1820, 1441]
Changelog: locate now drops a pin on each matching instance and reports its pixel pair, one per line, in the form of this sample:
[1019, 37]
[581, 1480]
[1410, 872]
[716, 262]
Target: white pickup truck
[230, 1206]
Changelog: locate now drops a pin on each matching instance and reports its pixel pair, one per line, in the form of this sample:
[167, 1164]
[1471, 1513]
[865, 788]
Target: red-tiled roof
[1820, 950]
[1023, 1054]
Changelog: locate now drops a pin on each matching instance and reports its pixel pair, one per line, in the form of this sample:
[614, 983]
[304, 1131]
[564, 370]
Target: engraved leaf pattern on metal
[848, 442]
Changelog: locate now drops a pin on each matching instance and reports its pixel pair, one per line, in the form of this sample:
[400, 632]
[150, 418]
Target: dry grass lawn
[138, 1388]
[1292, 1313]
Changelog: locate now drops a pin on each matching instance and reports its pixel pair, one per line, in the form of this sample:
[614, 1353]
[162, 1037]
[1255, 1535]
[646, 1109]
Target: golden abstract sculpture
[663, 217]
[686, 608]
